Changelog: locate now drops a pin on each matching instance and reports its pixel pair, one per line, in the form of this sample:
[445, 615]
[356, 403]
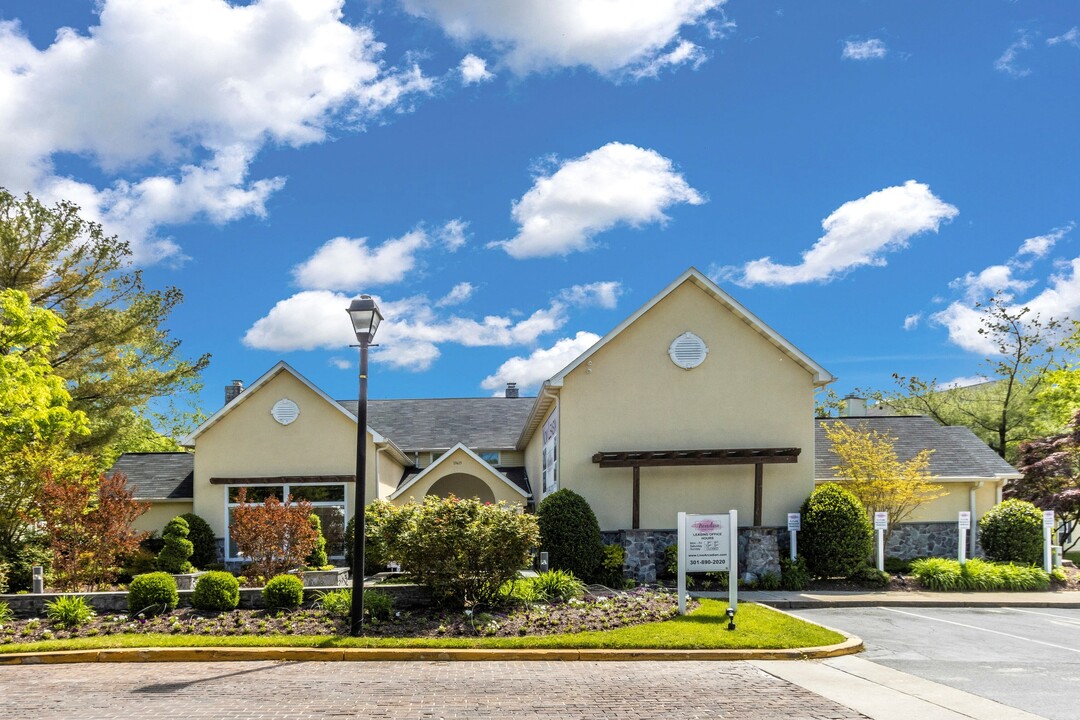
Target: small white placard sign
[881, 521]
[707, 543]
[965, 520]
[794, 522]
[1048, 519]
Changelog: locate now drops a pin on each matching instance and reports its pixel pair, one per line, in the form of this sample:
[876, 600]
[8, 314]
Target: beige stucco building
[692, 403]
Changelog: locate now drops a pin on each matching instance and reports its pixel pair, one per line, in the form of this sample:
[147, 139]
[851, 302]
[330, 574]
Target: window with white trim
[327, 501]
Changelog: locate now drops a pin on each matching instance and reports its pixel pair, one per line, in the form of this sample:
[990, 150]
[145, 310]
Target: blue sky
[511, 180]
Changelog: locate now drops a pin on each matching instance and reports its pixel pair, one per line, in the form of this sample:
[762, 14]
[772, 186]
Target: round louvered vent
[688, 351]
[285, 411]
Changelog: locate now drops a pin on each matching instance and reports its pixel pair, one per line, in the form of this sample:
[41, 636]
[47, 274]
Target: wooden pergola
[637, 459]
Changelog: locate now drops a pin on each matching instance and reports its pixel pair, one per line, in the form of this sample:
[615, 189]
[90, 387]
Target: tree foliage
[35, 420]
[1051, 468]
[463, 550]
[871, 471]
[274, 536]
[999, 410]
[1058, 398]
[88, 524]
[114, 354]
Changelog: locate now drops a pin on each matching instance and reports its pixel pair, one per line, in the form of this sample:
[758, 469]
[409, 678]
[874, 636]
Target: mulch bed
[592, 613]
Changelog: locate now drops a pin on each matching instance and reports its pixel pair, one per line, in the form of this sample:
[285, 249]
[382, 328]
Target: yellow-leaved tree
[871, 471]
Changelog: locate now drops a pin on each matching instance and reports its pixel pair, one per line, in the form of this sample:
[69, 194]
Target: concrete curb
[219, 654]
[808, 601]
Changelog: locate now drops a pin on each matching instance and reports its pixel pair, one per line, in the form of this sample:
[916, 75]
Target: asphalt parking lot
[1028, 658]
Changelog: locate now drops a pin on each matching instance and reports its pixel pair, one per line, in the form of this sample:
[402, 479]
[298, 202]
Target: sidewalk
[832, 599]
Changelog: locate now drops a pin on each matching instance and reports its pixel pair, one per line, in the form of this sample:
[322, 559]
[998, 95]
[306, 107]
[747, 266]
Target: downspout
[974, 516]
[378, 450]
[998, 492]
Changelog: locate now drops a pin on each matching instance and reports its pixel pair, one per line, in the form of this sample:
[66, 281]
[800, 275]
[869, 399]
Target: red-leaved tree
[274, 536]
[1051, 467]
[89, 527]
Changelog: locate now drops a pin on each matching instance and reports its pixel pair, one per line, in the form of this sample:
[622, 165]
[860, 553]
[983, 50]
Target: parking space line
[981, 629]
[1069, 620]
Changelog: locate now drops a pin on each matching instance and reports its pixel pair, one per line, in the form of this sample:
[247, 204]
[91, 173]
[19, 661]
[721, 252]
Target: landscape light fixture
[365, 317]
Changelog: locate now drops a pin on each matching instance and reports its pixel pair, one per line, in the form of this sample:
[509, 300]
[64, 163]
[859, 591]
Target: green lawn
[705, 628]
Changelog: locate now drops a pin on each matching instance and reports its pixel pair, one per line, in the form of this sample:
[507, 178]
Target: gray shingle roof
[958, 452]
[441, 423]
[158, 475]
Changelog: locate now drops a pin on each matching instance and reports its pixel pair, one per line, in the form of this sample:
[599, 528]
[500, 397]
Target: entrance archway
[462, 485]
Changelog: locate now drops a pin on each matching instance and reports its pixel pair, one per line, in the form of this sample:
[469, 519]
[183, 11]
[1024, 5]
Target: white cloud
[270, 71]
[858, 233]
[341, 363]
[541, 364]
[871, 49]
[611, 38]
[474, 70]
[412, 330]
[1072, 37]
[963, 381]
[1040, 245]
[603, 294]
[348, 263]
[993, 280]
[452, 234]
[1007, 62]
[683, 53]
[912, 321]
[457, 295]
[617, 183]
[1059, 300]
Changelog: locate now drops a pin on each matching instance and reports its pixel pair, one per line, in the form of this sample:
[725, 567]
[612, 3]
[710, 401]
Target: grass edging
[698, 636]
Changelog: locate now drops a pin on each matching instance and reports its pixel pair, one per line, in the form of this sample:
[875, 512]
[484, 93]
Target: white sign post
[881, 524]
[794, 525]
[963, 524]
[709, 543]
[1048, 530]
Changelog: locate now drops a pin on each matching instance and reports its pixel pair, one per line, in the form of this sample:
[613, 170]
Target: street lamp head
[365, 317]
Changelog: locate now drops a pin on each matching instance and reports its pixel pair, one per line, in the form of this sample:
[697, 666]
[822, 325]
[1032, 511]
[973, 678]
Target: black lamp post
[365, 317]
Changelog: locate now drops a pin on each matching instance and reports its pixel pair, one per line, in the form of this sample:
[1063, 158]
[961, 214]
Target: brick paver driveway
[295, 690]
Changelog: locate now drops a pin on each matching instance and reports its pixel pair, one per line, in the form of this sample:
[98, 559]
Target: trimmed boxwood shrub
[836, 536]
[173, 557]
[216, 590]
[284, 592]
[204, 544]
[1012, 532]
[570, 534]
[152, 593]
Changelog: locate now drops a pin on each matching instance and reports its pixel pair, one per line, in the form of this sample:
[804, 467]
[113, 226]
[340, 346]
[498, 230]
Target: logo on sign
[707, 525]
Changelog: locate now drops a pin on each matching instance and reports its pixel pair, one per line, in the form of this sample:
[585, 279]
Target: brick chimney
[511, 390]
[231, 391]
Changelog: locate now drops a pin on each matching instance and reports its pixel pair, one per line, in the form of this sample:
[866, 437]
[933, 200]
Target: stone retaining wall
[760, 548]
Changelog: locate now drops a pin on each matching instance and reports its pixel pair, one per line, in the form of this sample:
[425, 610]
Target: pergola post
[637, 497]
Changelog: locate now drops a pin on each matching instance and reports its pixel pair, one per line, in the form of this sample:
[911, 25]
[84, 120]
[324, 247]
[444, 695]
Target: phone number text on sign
[707, 543]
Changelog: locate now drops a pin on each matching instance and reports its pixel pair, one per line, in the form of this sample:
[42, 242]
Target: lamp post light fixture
[365, 317]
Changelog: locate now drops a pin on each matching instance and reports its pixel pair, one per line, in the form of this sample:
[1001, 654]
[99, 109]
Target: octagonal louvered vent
[688, 351]
[285, 411]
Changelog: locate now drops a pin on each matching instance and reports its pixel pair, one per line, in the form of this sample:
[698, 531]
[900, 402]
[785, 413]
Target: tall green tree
[115, 354]
[1058, 398]
[999, 410]
[35, 420]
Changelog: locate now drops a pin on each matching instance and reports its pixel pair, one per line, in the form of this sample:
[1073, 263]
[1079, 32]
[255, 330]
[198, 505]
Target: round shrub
[317, 558]
[152, 593]
[216, 590]
[284, 592]
[570, 534]
[1012, 532]
[836, 535]
[173, 557]
[204, 544]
